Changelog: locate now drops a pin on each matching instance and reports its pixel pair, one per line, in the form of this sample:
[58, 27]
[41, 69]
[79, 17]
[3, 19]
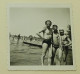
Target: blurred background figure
[31, 38]
[18, 39]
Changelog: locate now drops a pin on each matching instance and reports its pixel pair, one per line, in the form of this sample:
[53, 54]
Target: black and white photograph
[40, 37]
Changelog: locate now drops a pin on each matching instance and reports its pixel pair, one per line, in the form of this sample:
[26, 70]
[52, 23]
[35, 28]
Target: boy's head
[54, 27]
[48, 23]
[61, 32]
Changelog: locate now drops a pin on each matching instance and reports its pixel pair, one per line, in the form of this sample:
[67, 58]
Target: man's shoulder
[44, 28]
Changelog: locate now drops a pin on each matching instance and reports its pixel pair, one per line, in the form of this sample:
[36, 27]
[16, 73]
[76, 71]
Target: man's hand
[66, 45]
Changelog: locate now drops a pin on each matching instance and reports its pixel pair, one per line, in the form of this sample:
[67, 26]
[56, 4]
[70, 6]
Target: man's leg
[49, 55]
[65, 52]
[44, 50]
[58, 55]
[53, 55]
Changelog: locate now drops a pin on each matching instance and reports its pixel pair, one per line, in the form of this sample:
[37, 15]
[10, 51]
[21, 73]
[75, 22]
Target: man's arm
[41, 32]
[39, 35]
[69, 42]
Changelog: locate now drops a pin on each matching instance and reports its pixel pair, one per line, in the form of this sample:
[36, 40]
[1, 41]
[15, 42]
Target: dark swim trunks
[48, 41]
[56, 46]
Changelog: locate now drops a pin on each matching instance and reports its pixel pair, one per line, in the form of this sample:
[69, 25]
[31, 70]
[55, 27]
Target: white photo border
[54, 67]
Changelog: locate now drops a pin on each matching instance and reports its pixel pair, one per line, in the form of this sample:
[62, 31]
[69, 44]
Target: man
[60, 52]
[47, 35]
[55, 41]
[65, 42]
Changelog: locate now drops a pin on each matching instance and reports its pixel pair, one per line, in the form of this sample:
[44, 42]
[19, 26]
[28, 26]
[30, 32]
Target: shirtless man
[47, 35]
[55, 41]
[65, 42]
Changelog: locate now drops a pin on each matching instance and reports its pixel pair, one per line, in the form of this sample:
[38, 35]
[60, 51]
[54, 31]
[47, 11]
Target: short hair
[55, 25]
[61, 32]
[48, 21]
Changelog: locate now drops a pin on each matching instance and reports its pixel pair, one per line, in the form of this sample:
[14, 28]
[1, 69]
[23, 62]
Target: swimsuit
[56, 46]
[48, 41]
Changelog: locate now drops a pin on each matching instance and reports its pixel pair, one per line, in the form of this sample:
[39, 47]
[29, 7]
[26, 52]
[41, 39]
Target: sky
[29, 21]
